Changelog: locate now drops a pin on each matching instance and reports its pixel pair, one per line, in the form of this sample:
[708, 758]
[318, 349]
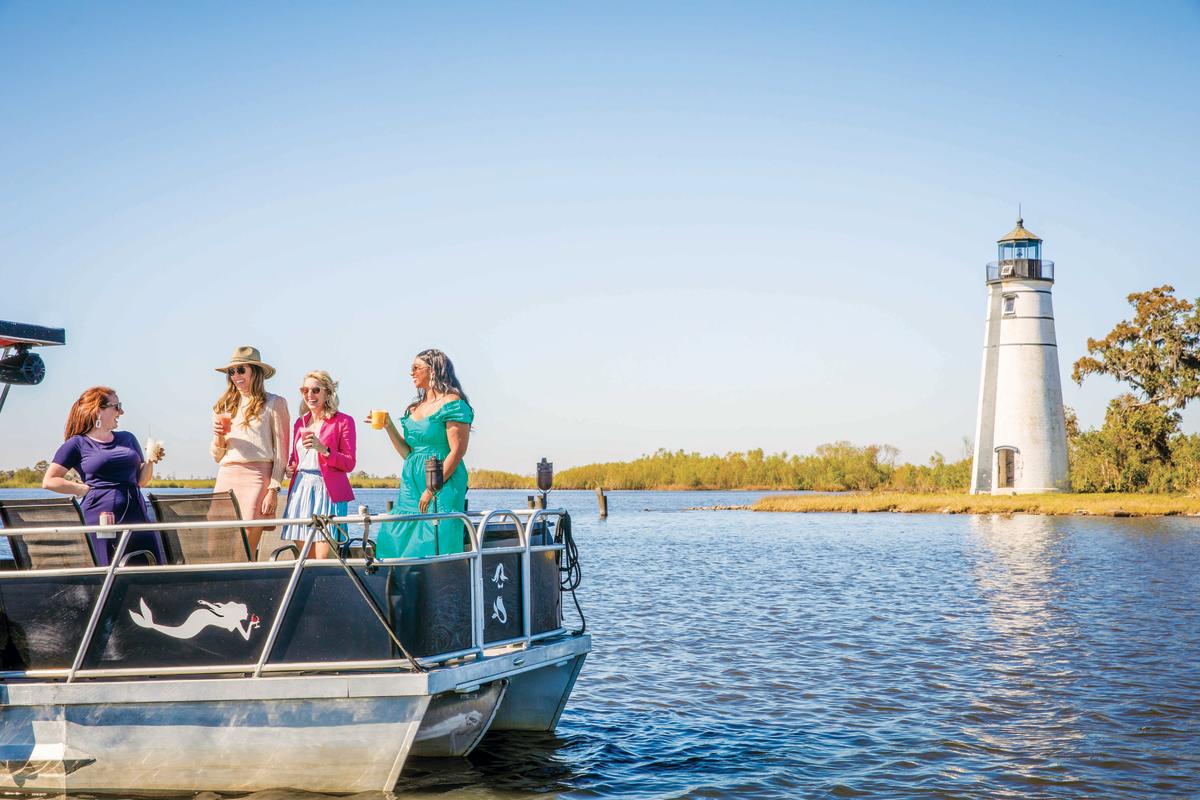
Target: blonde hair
[331, 396]
[228, 402]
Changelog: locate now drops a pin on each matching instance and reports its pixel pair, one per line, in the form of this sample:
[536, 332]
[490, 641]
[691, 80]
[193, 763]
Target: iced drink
[107, 518]
[378, 418]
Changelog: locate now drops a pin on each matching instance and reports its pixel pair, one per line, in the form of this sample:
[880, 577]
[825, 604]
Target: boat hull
[336, 733]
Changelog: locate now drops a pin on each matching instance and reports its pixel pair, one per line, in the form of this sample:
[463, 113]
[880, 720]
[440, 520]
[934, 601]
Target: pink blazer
[337, 434]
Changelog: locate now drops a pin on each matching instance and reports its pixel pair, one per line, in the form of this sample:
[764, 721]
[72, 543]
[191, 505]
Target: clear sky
[708, 226]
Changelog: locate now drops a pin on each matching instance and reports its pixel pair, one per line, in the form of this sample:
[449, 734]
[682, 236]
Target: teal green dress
[427, 437]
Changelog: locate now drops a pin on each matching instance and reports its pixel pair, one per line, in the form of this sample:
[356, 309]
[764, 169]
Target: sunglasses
[310, 390]
[117, 406]
[231, 371]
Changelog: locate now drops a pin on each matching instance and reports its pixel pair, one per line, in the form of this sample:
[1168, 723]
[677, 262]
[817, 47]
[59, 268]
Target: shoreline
[1064, 504]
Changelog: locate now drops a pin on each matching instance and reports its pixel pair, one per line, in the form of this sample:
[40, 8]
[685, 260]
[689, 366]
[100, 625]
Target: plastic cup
[377, 419]
[226, 420]
[107, 518]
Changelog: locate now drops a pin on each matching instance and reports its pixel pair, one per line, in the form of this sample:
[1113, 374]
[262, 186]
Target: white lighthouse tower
[1020, 433]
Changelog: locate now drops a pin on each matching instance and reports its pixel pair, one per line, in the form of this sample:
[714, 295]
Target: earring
[97, 425]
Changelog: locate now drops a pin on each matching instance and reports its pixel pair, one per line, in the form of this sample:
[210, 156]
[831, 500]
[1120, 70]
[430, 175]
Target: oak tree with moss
[1157, 352]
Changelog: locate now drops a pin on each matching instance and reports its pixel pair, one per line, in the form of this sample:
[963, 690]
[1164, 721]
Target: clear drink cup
[226, 420]
[378, 418]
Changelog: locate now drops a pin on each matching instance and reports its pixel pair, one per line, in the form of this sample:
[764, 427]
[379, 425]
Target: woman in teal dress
[437, 423]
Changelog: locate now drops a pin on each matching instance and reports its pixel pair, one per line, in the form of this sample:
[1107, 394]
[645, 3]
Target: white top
[307, 455]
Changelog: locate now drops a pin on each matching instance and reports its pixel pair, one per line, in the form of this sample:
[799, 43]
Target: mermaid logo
[227, 616]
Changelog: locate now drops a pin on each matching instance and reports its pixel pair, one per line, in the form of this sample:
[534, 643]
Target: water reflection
[1015, 568]
[1025, 650]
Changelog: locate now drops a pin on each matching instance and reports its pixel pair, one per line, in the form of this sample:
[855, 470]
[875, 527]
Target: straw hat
[248, 355]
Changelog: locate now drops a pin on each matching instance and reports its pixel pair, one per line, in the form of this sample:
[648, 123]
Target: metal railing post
[101, 598]
[284, 603]
[527, 577]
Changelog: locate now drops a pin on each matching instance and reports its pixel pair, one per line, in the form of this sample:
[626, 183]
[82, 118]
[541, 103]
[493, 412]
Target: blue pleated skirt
[306, 497]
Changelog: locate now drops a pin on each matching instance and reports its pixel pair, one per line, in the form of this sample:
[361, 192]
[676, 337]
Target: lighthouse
[1020, 432]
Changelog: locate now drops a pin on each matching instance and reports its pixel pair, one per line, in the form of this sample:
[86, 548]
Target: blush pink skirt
[248, 482]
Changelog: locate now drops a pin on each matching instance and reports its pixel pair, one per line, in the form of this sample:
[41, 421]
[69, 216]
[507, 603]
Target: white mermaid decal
[228, 616]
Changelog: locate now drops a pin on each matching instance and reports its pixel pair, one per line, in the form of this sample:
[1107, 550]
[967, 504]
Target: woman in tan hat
[250, 438]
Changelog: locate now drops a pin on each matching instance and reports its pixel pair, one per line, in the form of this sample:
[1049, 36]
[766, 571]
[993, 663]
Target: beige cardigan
[264, 439]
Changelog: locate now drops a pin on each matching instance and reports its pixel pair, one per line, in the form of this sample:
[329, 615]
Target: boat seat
[201, 545]
[47, 550]
[504, 534]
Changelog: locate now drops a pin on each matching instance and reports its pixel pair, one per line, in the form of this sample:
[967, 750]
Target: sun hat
[248, 355]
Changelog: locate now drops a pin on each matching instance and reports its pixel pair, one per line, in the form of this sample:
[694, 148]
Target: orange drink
[378, 418]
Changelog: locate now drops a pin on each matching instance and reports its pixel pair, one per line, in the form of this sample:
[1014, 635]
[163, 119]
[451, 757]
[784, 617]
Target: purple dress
[111, 471]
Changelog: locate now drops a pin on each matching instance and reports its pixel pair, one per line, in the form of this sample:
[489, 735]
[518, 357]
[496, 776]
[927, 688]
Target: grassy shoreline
[1110, 505]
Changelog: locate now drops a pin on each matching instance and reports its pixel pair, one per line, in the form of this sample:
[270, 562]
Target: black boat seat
[47, 550]
[201, 545]
[503, 533]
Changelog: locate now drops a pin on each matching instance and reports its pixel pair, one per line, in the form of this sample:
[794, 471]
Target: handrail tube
[477, 622]
[216, 524]
[527, 569]
[101, 597]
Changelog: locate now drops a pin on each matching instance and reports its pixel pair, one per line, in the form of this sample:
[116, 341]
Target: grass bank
[1111, 505]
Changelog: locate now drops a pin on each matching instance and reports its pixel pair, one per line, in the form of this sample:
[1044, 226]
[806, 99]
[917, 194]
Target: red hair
[86, 411]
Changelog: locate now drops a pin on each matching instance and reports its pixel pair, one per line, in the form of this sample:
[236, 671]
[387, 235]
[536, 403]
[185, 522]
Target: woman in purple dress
[113, 470]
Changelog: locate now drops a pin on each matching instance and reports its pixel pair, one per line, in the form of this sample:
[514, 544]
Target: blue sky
[684, 225]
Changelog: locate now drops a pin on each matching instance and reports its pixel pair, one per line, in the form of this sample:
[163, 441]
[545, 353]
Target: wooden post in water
[539, 501]
[602, 502]
[529, 500]
[390, 505]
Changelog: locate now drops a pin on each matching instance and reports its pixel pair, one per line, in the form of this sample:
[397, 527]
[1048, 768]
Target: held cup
[378, 418]
[226, 420]
[107, 518]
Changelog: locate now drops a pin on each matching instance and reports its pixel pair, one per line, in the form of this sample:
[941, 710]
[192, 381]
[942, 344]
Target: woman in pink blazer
[321, 461]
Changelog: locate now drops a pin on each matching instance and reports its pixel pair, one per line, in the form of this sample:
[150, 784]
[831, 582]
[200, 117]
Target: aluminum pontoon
[319, 675]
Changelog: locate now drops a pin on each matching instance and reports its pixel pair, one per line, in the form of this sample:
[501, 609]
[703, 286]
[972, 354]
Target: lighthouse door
[1005, 467]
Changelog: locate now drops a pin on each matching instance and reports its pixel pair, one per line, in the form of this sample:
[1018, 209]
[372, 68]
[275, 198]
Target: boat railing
[480, 557]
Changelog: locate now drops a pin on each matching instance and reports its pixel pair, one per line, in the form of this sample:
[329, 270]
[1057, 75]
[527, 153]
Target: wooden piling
[390, 505]
[529, 500]
[602, 502]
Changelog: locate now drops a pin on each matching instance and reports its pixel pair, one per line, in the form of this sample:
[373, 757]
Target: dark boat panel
[503, 615]
[427, 605]
[42, 619]
[182, 619]
[545, 591]
[162, 619]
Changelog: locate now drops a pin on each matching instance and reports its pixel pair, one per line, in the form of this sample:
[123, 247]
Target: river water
[873, 655]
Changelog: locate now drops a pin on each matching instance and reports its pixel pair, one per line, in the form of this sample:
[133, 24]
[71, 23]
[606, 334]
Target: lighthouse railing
[1038, 269]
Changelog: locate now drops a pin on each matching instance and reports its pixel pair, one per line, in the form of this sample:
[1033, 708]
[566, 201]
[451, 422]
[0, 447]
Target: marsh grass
[960, 503]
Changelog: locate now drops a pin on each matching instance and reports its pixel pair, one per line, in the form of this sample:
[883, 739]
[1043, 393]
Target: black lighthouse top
[1020, 257]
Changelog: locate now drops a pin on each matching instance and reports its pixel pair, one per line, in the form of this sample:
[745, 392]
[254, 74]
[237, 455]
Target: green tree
[1140, 447]
[1134, 451]
[1157, 352]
